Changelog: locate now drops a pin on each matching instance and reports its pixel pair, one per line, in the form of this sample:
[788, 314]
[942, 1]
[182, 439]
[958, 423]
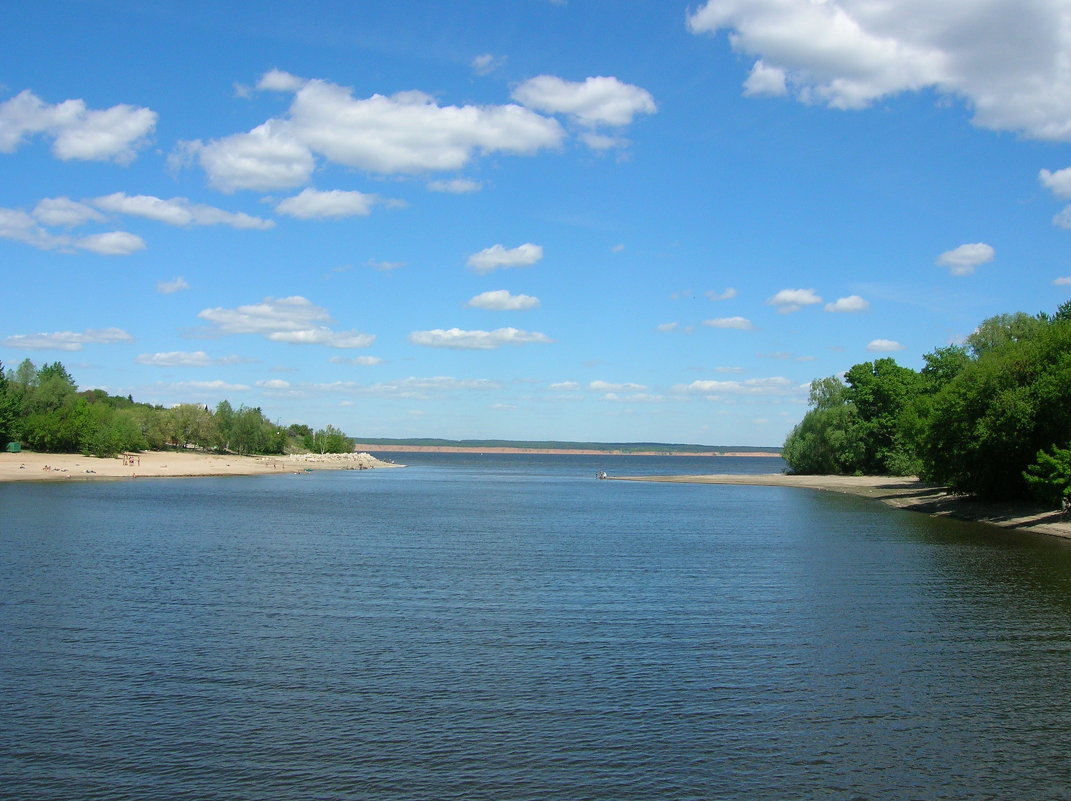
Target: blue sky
[579, 220]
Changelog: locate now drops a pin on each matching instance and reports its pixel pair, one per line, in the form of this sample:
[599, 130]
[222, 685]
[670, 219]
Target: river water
[507, 627]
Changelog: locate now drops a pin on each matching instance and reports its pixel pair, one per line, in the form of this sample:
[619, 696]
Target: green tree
[828, 439]
[883, 394]
[1049, 478]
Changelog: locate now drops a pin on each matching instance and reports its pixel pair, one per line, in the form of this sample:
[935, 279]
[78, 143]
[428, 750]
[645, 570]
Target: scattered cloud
[459, 339]
[385, 266]
[455, 186]
[1062, 281]
[1059, 182]
[184, 359]
[1063, 218]
[295, 320]
[19, 226]
[775, 385]
[486, 63]
[966, 258]
[407, 132]
[607, 386]
[62, 211]
[848, 305]
[594, 101]
[502, 300]
[357, 361]
[67, 340]
[884, 346]
[728, 294]
[1005, 59]
[739, 323]
[77, 132]
[274, 384]
[170, 287]
[792, 300]
[113, 243]
[312, 204]
[177, 211]
[497, 256]
[565, 386]
[667, 327]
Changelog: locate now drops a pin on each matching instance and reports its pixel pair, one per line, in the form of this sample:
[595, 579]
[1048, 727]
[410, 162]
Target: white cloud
[170, 287]
[850, 304]
[279, 81]
[739, 323]
[502, 300]
[496, 256]
[1063, 219]
[385, 266]
[113, 243]
[565, 386]
[313, 204]
[792, 300]
[456, 186]
[274, 383]
[357, 361]
[1007, 60]
[607, 386]
[294, 320]
[1058, 182]
[1062, 281]
[667, 327]
[765, 80]
[183, 359]
[964, 259]
[404, 133]
[459, 339]
[595, 101]
[728, 294]
[884, 346]
[775, 385]
[177, 211]
[113, 134]
[65, 212]
[486, 63]
[68, 340]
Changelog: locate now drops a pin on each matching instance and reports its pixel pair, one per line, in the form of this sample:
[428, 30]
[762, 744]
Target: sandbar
[31, 466]
[903, 493]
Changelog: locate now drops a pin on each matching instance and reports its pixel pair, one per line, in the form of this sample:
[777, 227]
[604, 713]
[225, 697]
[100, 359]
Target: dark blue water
[511, 628]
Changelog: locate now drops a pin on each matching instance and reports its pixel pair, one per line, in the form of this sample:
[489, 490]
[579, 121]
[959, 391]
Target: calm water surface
[509, 628]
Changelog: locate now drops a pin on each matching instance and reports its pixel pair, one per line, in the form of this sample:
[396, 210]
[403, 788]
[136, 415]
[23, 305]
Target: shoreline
[901, 493]
[33, 466]
[370, 448]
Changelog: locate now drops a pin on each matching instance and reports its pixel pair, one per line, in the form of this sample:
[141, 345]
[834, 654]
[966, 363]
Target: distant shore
[30, 466]
[364, 446]
[902, 493]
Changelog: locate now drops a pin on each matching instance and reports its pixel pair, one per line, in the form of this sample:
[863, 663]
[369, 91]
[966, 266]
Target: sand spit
[903, 493]
[364, 446]
[28, 466]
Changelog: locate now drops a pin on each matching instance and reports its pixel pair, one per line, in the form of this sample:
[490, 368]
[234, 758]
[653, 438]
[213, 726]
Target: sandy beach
[27, 466]
[902, 493]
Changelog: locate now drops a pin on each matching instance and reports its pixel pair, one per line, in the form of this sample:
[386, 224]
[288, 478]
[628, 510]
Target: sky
[587, 220]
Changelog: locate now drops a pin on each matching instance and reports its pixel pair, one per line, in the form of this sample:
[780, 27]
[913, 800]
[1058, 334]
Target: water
[510, 628]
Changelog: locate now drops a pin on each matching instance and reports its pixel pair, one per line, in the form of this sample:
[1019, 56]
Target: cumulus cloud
[68, 340]
[334, 204]
[170, 287]
[728, 294]
[502, 300]
[792, 300]
[966, 258]
[1063, 219]
[176, 211]
[565, 386]
[764, 80]
[666, 327]
[739, 323]
[497, 256]
[884, 346]
[775, 385]
[594, 101]
[1062, 281]
[357, 361]
[1007, 60]
[609, 386]
[62, 211]
[112, 243]
[1059, 182]
[77, 132]
[407, 132]
[486, 63]
[848, 305]
[178, 358]
[295, 320]
[459, 339]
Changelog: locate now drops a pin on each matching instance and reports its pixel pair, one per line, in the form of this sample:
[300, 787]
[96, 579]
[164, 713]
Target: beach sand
[27, 466]
[902, 493]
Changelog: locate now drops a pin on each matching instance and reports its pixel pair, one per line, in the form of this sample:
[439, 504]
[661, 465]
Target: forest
[43, 410]
[989, 418]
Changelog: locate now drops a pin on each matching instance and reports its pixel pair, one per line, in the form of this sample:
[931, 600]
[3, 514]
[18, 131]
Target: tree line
[990, 418]
[42, 409]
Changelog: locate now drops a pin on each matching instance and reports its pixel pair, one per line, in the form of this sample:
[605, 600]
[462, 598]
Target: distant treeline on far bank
[474, 445]
[42, 409]
[990, 417]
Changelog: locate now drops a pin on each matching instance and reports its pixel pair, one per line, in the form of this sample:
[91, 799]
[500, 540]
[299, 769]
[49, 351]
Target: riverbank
[902, 493]
[27, 466]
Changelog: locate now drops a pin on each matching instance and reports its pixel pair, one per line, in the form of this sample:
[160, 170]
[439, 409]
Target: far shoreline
[899, 492]
[372, 448]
